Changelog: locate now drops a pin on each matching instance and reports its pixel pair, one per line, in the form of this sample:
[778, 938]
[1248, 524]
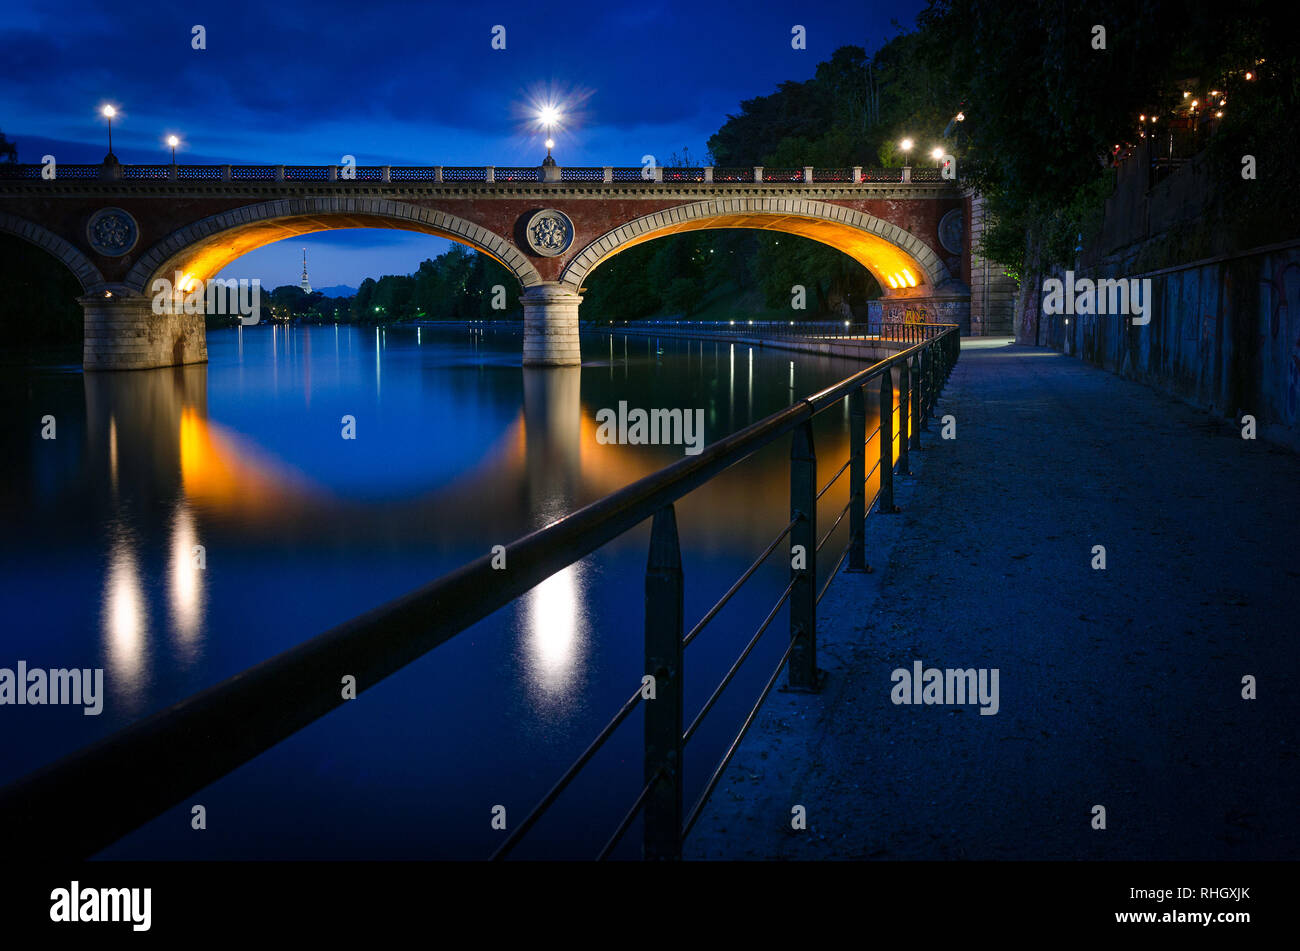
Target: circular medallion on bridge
[549, 232]
[950, 231]
[112, 232]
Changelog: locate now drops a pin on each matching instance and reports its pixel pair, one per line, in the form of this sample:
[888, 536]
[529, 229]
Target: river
[185, 524]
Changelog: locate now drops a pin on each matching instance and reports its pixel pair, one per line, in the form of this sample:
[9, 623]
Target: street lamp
[108, 112]
[548, 117]
[173, 142]
[905, 145]
[936, 153]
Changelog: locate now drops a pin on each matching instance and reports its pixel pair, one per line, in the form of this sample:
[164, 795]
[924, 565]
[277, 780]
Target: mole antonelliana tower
[306, 284]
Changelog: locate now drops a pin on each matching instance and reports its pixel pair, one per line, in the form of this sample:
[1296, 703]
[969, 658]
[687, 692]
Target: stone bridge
[119, 228]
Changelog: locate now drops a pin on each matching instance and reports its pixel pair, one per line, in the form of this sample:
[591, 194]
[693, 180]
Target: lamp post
[173, 142]
[108, 112]
[548, 117]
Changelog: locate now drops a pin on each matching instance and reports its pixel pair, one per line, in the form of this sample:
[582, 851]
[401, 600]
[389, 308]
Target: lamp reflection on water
[186, 583]
[125, 618]
[556, 634]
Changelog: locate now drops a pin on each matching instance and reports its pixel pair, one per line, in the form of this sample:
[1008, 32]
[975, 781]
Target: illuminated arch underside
[884, 257]
[208, 246]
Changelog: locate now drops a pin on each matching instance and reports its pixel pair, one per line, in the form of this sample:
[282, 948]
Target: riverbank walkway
[1119, 688]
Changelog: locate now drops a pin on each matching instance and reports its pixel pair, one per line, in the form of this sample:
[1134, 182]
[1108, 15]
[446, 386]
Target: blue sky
[401, 84]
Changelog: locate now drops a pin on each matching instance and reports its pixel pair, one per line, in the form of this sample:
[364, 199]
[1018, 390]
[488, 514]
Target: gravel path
[1119, 687]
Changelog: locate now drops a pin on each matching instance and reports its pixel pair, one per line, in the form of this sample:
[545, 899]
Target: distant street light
[108, 112]
[548, 117]
[936, 153]
[173, 142]
[905, 145]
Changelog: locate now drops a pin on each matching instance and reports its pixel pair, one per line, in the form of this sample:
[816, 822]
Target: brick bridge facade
[118, 229]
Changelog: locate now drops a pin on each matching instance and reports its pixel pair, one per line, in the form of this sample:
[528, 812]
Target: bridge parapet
[645, 175]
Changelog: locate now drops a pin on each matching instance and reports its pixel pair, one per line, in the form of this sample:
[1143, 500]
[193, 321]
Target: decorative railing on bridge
[646, 175]
[127, 779]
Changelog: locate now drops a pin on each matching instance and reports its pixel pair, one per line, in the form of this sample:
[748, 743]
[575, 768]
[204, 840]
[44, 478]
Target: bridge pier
[123, 333]
[551, 325]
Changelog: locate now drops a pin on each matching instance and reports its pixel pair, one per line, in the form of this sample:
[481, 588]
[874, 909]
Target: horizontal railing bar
[721, 603]
[834, 525]
[713, 698]
[637, 806]
[700, 803]
[568, 776]
[827, 486]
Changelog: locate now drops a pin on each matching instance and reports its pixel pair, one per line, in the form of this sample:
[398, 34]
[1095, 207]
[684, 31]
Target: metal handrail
[146, 768]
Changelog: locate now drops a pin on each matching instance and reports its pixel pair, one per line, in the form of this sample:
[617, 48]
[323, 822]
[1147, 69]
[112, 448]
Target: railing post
[437, 173]
[807, 174]
[279, 173]
[225, 173]
[489, 173]
[803, 673]
[927, 389]
[758, 174]
[857, 479]
[857, 174]
[608, 174]
[333, 173]
[708, 174]
[887, 442]
[916, 401]
[659, 173]
[662, 830]
[386, 173]
[904, 403]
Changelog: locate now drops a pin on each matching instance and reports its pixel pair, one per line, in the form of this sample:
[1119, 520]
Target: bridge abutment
[122, 332]
[551, 325]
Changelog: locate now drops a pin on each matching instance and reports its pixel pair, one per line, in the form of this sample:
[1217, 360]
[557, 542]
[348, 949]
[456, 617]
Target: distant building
[306, 284]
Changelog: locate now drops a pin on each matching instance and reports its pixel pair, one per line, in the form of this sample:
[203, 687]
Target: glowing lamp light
[548, 116]
[108, 112]
[936, 153]
[905, 145]
[960, 117]
[1219, 114]
[1249, 76]
[550, 143]
[173, 141]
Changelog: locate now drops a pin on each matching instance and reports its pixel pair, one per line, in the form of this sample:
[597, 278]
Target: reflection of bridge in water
[149, 436]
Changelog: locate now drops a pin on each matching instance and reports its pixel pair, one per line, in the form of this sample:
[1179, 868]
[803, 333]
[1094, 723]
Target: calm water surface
[457, 449]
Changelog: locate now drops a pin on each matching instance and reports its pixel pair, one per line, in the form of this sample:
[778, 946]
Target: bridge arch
[883, 248]
[203, 248]
[82, 268]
